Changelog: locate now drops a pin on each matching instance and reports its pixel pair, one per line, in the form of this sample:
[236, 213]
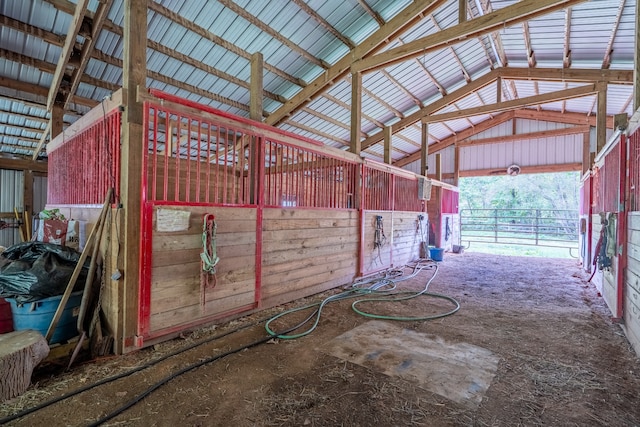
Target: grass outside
[519, 250]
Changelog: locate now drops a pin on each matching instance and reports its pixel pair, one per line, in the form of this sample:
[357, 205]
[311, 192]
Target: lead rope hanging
[209, 255]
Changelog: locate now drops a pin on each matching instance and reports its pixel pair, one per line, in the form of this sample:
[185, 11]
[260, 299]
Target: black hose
[124, 374]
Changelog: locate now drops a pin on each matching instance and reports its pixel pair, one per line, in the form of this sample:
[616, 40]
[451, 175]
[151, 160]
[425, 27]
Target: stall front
[236, 216]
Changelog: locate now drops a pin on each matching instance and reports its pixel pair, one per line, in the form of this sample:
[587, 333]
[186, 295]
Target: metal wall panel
[11, 196]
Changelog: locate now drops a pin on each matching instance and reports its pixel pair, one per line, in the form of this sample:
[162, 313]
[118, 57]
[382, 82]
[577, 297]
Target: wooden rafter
[453, 52]
[403, 89]
[507, 16]
[347, 107]
[317, 132]
[517, 103]
[315, 15]
[4, 135]
[531, 57]
[606, 62]
[330, 119]
[243, 13]
[621, 77]
[407, 140]
[375, 15]
[41, 91]
[208, 35]
[435, 106]
[67, 50]
[554, 116]
[22, 127]
[451, 140]
[566, 56]
[527, 136]
[85, 54]
[405, 19]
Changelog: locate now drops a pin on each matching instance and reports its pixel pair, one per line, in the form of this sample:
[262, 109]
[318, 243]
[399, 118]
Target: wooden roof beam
[561, 167]
[623, 77]
[96, 26]
[566, 57]
[375, 15]
[41, 91]
[531, 57]
[22, 164]
[465, 73]
[405, 19]
[573, 130]
[557, 117]
[516, 103]
[510, 15]
[435, 106]
[451, 140]
[606, 62]
[242, 12]
[67, 50]
[312, 13]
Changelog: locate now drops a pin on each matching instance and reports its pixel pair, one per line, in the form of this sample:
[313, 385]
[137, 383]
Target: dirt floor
[532, 344]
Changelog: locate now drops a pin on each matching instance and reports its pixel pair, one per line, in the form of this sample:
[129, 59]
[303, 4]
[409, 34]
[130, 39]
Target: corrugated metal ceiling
[299, 44]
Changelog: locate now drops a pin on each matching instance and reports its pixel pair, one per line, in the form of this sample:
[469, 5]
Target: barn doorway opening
[522, 215]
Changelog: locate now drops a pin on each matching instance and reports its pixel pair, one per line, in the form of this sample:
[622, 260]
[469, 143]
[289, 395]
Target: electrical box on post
[424, 188]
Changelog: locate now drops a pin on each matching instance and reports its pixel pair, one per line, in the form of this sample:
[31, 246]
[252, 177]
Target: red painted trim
[361, 213]
[198, 205]
[146, 247]
[243, 120]
[259, 196]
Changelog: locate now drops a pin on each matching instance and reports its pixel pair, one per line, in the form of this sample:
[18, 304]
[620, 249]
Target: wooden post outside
[439, 166]
[356, 112]
[134, 76]
[387, 144]
[424, 149]
[601, 118]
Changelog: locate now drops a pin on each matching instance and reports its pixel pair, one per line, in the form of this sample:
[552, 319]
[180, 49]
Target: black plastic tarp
[37, 270]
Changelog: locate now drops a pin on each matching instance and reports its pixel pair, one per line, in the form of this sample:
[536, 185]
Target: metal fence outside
[532, 227]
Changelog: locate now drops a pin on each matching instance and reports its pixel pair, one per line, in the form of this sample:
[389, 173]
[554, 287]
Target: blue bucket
[436, 254]
[38, 314]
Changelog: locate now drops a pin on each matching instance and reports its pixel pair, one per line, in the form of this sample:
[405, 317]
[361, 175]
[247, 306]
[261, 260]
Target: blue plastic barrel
[38, 314]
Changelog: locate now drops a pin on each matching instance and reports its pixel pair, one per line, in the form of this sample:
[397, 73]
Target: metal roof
[201, 50]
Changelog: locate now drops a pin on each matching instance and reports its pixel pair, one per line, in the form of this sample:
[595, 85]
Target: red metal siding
[449, 204]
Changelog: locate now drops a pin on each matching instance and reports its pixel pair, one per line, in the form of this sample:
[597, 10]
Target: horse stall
[236, 216]
[444, 216]
[631, 290]
[609, 216]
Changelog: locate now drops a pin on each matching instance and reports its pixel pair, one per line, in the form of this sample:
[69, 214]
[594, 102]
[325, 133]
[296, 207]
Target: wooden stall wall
[632, 283]
[409, 236]
[306, 251]
[631, 324]
[179, 296]
[585, 230]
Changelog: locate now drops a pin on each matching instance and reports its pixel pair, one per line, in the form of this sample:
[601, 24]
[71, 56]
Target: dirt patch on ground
[560, 361]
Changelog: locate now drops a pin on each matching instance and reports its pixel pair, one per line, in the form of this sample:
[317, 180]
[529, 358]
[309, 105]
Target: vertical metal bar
[176, 194]
[495, 213]
[207, 196]
[217, 187]
[198, 159]
[225, 171]
[259, 221]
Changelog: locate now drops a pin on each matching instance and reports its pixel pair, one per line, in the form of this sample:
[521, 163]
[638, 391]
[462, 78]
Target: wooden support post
[586, 152]
[57, 115]
[636, 68]
[256, 96]
[462, 11]
[257, 87]
[601, 118]
[456, 166]
[387, 144]
[424, 149]
[439, 166]
[134, 76]
[498, 90]
[27, 201]
[356, 112]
